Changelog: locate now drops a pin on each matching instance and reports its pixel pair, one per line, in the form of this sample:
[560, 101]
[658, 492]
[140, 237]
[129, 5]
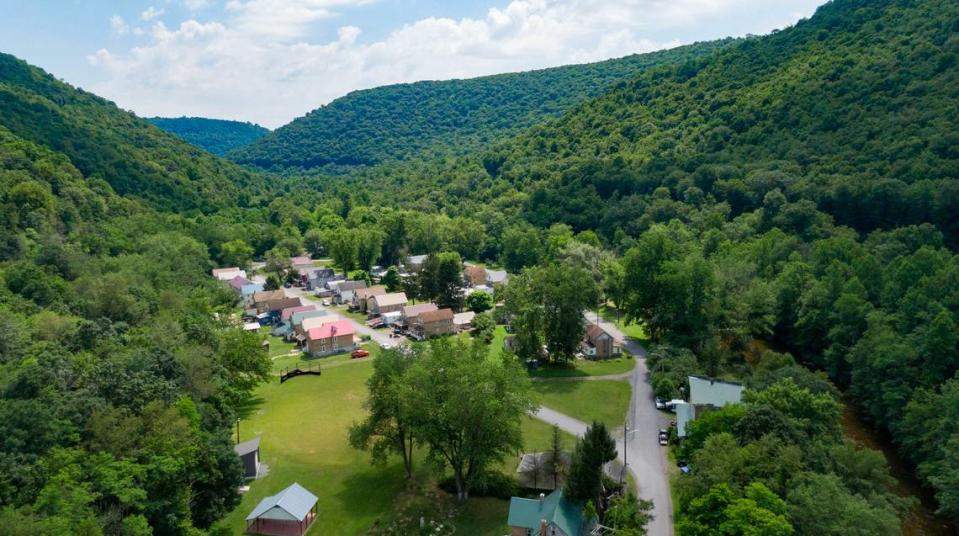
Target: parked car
[660, 403]
[663, 440]
[326, 303]
[359, 353]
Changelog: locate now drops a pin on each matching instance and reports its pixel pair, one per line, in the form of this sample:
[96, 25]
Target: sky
[270, 61]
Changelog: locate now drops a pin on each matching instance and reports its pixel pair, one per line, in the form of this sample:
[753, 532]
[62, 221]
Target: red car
[359, 353]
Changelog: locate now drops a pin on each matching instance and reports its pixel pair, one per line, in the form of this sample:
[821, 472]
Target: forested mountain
[441, 118]
[798, 189]
[217, 136]
[102, 141]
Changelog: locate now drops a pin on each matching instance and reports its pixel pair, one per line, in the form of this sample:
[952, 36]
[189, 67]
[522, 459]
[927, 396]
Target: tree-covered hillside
[102, 141]
[439, 118]
[799, 189]
[217, 136]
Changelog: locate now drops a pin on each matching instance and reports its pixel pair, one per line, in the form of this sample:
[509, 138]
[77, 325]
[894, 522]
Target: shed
[249, 453]
[288, 513]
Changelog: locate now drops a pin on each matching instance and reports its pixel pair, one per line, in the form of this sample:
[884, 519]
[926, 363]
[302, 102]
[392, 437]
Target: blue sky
[269, 61]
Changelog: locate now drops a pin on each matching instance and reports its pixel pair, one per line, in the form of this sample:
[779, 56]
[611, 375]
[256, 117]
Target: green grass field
[633, 330]
[303, 425]
[583, 367]
[602, 400]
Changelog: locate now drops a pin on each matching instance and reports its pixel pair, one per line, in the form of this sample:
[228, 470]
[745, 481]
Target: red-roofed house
[331, 337]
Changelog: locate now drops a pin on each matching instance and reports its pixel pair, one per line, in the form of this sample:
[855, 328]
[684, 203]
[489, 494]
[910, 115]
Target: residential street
[644, 455]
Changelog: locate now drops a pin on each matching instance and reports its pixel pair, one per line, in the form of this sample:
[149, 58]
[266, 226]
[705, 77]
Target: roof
[395, 298]
[416, 259]
[595, 331]
[336, 327]
[414, 310]
[350, 285]
[246, 447]
[556, 510]
[301, 261]
[251, 326]
[283, 303]
[714, 392]
[268, 295]
[464, 318]
[496, 276]
[295, 501]
[218, 271]
[436, 316]
[288, 312]
[363, 293]
[298, 318]
[239, 282]
[476, 274]
[322, 272]
[314, 322]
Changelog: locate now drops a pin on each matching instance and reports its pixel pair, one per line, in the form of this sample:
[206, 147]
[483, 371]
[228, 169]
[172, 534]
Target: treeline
[106, 143]
[430, 119]
[119, 387]
[217, 136]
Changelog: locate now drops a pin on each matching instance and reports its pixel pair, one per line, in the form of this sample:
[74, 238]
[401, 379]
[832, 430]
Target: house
[238, 282]
[705, 394]
[362, 295]
[599, 344]
[432, 324]
[387, 303]
[277, 305]
[302, 263]
[410, 312]
[260, 298]
[226, 274]
[474, 275]
[317, 279]
[297, 332]
[289, 512]
[414, 262]
[463, 321]
[332, 337]
[496, 277]
[287, 314]
[535, 470]
[345, 290]
[249, 453]
[550, 515]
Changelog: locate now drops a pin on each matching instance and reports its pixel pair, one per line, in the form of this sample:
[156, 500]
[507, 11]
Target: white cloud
[259, 63]
[119, 26]
[196, 5]
[152, 13]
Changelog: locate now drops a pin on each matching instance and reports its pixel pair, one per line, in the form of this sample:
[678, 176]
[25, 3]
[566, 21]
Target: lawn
[585, 367]
[602, 400]
[303, 425]
[633, 329]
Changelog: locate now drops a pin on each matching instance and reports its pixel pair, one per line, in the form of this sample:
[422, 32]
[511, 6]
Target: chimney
[542, 527]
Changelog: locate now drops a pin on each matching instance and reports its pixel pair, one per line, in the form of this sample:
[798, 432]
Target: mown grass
[601, 400]
[584, 367]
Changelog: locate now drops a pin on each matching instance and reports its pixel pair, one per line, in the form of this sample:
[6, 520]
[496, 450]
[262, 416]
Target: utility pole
[237, 430]
[622, 474]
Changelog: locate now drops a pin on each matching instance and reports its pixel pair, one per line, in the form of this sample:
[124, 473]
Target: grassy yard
[584, 367]
[602, 400]
[303, 425]
[634, 330]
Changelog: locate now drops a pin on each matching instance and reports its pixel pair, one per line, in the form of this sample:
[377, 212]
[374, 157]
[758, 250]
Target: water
[921, 520]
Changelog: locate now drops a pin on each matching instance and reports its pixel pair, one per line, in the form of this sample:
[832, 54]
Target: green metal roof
[527, 513]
